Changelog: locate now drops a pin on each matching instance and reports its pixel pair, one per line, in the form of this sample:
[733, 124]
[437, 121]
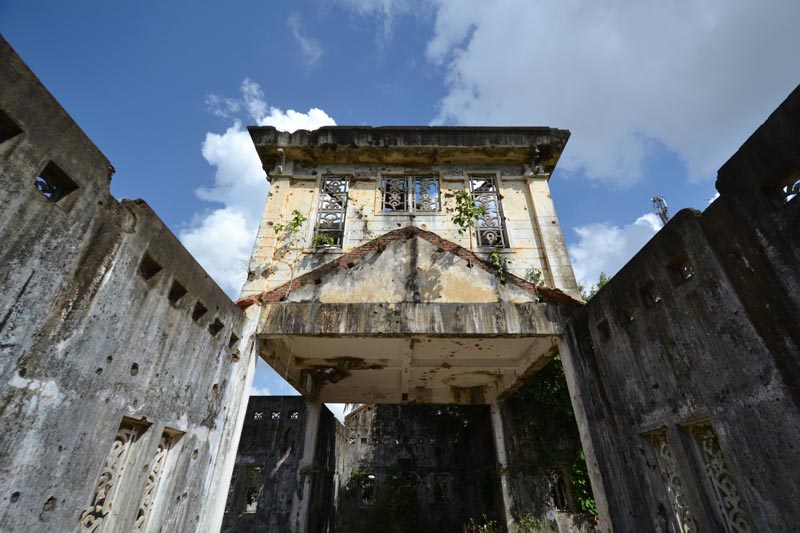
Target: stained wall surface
[265, 478]
[684, 369]
[121, 368]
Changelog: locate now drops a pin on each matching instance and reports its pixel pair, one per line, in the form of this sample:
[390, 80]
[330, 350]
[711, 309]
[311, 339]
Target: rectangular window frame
[334, 212]
[409, 194]
[484, 228]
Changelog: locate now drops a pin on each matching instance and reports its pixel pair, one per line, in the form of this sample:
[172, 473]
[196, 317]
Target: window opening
[604, 329]
[407, 194]
[176, 292]
[112, 476]
[682, 269]
[253, 492]
[148, 267]
[491, 229]
[294, 415]
[8, 128]
[258, 415]
[332, 209]
[215, 327]
[625, 314]
[791, 190]
[368, 490]
[275, 415]
[650, 294]
[199, 311]
[53, 183]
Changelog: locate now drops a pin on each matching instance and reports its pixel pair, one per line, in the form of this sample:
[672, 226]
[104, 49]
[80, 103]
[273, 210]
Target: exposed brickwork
[378, 245]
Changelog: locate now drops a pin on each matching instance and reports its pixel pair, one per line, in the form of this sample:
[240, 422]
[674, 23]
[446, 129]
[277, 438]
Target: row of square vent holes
[148, 268]
[276, 415]
[682, 270]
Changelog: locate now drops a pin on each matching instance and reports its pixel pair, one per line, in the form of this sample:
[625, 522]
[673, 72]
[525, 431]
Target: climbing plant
[320, 240]
[292, 226]
[467, 212]
[498, 261]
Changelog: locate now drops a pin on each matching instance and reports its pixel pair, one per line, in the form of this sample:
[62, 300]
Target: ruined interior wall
[534, 234]
[270, 449]
[86, 340]
[692, 396]
[444, 453]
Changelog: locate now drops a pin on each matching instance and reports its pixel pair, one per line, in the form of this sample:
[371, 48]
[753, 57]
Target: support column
[302, 494]
[576, 395]
[502, 465]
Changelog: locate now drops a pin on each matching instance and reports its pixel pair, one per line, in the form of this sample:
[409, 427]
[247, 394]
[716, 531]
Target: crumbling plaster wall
[692, 396]
[535, 239]
[86, 340]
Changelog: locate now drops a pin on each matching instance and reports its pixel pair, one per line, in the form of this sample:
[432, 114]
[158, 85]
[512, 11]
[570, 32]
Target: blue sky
[657, 95]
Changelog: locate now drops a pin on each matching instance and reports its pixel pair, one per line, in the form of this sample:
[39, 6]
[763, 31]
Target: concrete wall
[116, 403]
[535, 239]
[267, 472]
[684, 368]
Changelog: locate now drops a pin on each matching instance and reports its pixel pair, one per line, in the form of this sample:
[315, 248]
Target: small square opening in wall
[650, 294]
[682, 270]
[604, 329]
[294, 415]
[8, 128]
[215, 327]
[625, 314]
[258, 415]
[275, 415]
[199, 311]
[148, 267]
[587, 344]
[53, 183]
[232, 341]
[176, 292]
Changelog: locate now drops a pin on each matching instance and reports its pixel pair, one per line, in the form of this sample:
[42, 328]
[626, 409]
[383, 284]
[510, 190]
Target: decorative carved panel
[728, 502]
[153, 478]
[111, 477]
[684, 518]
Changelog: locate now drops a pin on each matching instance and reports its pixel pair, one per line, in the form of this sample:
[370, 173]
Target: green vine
[320, 240]
[292, 226]
[535, 276]
[467, 212]
[499, 263]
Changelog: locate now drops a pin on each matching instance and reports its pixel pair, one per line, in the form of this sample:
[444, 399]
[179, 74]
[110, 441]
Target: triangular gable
[411, 265]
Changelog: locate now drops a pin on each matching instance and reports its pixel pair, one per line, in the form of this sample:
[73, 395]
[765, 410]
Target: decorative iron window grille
[491, 227]
[332, 208]
[411, 194]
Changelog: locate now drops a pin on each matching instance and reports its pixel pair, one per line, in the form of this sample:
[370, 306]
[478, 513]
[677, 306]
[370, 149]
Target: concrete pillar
[302, 495]
[575, 394]
[502, 465]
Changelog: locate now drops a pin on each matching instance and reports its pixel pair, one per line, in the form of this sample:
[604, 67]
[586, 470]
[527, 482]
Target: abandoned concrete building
[421, 273]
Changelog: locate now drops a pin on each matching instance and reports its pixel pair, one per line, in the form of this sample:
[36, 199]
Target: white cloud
[222, 238]
[385, 12]
[310, 48]
[260, 391]
[603, 247]
[697, 75]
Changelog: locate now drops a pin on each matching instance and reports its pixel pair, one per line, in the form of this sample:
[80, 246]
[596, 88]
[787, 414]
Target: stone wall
[684, 369]
[265, 478]
[120, 360]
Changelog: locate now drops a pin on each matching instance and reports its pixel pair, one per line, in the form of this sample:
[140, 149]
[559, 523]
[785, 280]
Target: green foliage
[499, 263]
[535, 276]
[581, 488]
[320, 240]
[529, 524]
[292, 226]
[397, 505]
[488, 526]
[586, 295]
[467, 213]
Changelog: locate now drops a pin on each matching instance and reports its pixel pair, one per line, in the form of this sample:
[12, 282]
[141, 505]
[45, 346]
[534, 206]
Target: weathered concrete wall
[434, 468]
[117, 398]
[267, 472]
[684, 368]
[507, 154]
